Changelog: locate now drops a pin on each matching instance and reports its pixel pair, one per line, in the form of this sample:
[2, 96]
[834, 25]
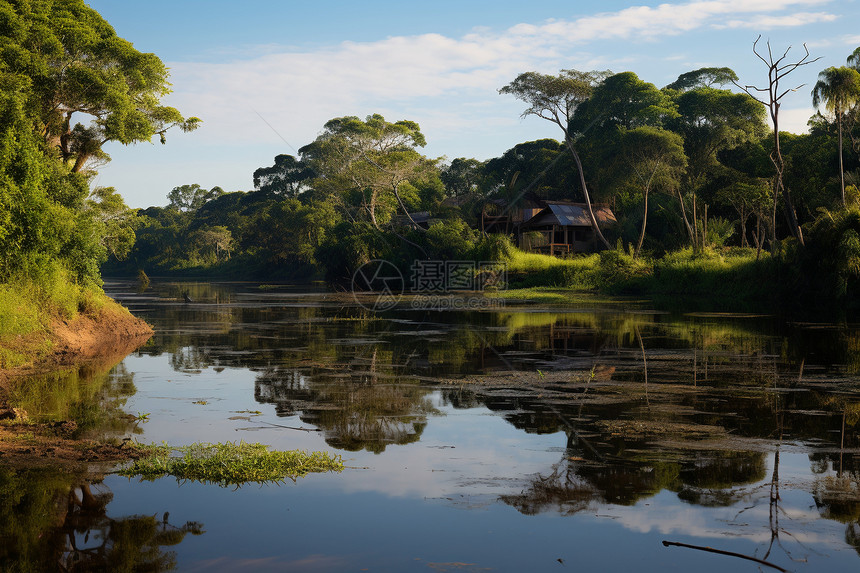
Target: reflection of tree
[47, 523]
[596, 468]
[360, 408]
[837, 496]
[91, 395]
[190, 359]
[561, 490]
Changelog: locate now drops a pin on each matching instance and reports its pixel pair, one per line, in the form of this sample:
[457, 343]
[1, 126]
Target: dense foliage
[68, 85]
[688, 168]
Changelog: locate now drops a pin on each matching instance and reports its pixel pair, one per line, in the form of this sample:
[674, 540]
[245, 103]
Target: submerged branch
[724, 552]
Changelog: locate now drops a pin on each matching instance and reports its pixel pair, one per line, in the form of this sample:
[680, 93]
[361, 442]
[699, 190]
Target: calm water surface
[606, 429]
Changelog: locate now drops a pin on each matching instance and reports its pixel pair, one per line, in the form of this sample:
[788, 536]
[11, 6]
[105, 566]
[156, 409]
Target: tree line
[68, 86]
[694, 164]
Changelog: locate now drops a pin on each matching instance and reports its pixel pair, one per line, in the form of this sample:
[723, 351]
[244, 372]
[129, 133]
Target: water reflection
[700, 408]
[87, 401]
[356, 410]
[54, 521]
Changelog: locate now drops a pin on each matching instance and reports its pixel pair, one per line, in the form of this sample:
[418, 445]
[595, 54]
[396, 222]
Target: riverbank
[97, 338]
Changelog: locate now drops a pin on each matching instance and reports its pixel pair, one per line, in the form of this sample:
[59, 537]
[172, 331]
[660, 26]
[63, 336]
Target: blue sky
[266, 75]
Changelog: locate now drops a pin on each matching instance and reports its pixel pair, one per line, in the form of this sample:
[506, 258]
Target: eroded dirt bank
[91, 344]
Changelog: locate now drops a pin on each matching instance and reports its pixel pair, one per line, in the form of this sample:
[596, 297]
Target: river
[506, 437]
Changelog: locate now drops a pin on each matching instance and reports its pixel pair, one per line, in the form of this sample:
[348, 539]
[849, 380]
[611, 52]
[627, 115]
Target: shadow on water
[53, 521]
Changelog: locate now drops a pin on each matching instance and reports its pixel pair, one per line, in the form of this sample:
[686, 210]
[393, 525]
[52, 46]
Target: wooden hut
[561, 228]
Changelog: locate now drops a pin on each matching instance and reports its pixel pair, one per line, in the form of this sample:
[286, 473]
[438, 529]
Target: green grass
[29, 304]
[561, 295]
[724, 278]
[520, 261]
[230, 463]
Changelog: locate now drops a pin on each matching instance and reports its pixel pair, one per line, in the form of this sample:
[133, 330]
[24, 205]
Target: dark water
[608, 429]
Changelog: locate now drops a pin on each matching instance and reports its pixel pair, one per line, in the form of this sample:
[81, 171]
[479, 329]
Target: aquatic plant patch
[229, 463]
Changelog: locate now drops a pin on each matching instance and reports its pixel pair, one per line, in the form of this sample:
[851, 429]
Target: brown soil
[98, 341]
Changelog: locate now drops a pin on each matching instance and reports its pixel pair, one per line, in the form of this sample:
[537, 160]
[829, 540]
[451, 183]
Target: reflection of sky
[433, 503]
[460, 449]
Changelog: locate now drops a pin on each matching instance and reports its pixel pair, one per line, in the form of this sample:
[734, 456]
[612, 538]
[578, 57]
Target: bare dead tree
[777, 70]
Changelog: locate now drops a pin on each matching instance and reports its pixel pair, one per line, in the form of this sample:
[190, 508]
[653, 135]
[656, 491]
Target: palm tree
[839, 90]
[854, 59]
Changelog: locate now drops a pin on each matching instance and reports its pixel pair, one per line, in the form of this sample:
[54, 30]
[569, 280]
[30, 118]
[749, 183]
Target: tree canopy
[68, 85]
[87, 86]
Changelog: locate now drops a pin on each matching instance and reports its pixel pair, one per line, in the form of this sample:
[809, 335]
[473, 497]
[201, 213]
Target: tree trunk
[591, 216]
[788, 206]
[642, 231]
[684, 217]
[841, 167]
[371, 209]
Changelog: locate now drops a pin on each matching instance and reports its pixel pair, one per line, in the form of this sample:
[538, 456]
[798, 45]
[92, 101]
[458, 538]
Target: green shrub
[451, 239]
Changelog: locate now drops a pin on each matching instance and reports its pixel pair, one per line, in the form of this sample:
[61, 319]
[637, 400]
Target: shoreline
[93, 342]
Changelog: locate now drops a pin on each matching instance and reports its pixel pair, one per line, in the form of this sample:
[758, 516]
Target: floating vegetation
[229, 463]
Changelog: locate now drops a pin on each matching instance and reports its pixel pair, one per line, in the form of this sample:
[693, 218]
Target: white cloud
[447, 84]
[297, 91]
[767, 22]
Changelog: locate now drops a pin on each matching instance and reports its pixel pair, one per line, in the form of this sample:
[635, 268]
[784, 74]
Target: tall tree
[372, 158]
[771, 97]
[288, 177]
[854, 59]
[532, 170]
[118, 220]
[703, 78]
[711, 120]
[187, 198]
[87, 86]
[556, 99]
[462, 176]
[839, 90]
[626, 101]
[655, 159]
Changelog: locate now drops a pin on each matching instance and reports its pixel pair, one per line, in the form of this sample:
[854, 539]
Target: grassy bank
[729, 278]
[32, 310]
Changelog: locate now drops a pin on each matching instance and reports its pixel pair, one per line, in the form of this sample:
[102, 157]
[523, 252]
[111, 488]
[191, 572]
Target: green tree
[87, 86]
[854, 59]
[45, 232]
[462, 176]
[556, 99]
[711, 120]
[626, 101]
[213, 243]
[367, 161]
[189, 198]
[703, 78]
[839, 90]
[119, 222]
[288, 177]
[748, 198]
[534, 170]
[655, 159]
